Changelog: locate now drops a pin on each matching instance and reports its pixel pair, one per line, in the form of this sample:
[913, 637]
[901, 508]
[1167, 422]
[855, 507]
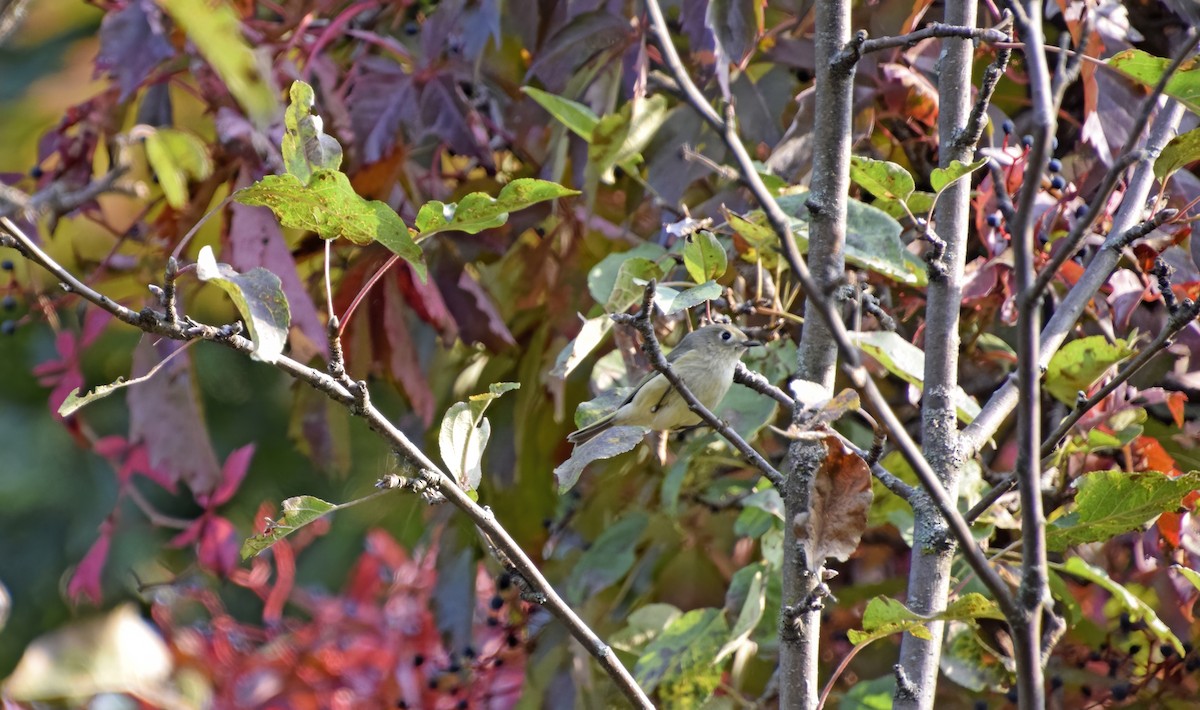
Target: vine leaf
[703, 256]
[258, 295]
[176, 156]
[479, 211]
[329, 206]
[306, 147]
[465, 433]
[297, 512]
[1109, 503]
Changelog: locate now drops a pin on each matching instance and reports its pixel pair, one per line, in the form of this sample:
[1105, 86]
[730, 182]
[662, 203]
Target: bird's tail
[590, 431]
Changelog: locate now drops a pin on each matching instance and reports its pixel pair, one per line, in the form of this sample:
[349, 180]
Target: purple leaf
[132, 44]
[381, 98]
[165, 415]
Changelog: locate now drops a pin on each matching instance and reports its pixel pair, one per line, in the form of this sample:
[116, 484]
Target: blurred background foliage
[425, 98]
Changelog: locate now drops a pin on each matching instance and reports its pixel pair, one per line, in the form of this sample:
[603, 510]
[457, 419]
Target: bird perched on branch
[704, 360]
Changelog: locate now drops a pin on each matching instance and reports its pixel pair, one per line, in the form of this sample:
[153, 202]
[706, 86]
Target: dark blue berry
[1081, 211]
[993, 220]
[1012, 695]
[8, 327]
[1120, 692]
[36, 172]
[1055, 165]
[1027, 141]
[1007, 127]
[1168, 650]
[9, 303]
[496, 603]
[1056, 682]
[1058, 182]
[7, 265]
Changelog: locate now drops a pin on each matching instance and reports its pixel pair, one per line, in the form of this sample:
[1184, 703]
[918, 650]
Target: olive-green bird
[705, 360]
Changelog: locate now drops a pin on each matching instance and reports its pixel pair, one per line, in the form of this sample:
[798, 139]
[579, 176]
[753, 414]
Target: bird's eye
[726, 335]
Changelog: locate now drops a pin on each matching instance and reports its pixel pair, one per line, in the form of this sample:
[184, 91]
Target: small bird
[705, 360]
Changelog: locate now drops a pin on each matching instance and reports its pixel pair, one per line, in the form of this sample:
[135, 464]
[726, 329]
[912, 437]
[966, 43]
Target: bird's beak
[751, 344]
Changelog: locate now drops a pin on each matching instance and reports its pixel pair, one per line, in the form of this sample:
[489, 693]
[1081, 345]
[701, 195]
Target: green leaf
[670, 301]
[175, 156]
[610, 556]
[704, 257]
[875, 694]
[605, 445]
[479, 402]
[872, 238]
[580, 119]
[329, 206]
[1182, 151]
[575, 352]
[907, 361]
[462, 439]
[885, 616]
[297, 512]
[1183, 85]
[258, 295]
[643, 625]
[305, 146]
[620, 138]
[1189, 574]
[751, 612]
[603, 276]
[75, 401]
[630, 285]
[216, 30]
[479, 211]
[682, 658]
[1109, 503]
[881, 178]
[764, 243]
[941, 177]
[1138, 609]
[1079, 363]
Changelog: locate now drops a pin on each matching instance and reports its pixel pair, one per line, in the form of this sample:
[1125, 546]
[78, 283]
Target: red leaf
[1176, 401]
[85, 581]
[165, 417]
[232, 474]
[218, 548]
[426, 301]
[285, 577]
[1170, 526]
[404, 364]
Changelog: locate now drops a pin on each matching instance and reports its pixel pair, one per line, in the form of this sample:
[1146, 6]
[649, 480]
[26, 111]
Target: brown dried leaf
[838, 505]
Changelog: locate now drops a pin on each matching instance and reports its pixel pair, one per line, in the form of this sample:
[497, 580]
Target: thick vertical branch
[933, 547]
[817, 358]
[1034, 594]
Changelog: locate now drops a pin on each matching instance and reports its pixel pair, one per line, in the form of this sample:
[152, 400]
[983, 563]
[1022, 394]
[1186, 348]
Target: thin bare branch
[354, 396]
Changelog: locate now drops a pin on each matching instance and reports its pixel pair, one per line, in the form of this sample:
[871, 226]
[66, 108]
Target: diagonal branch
[354, 396]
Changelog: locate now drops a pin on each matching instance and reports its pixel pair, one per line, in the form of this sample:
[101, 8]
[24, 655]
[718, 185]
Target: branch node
[904, 687]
